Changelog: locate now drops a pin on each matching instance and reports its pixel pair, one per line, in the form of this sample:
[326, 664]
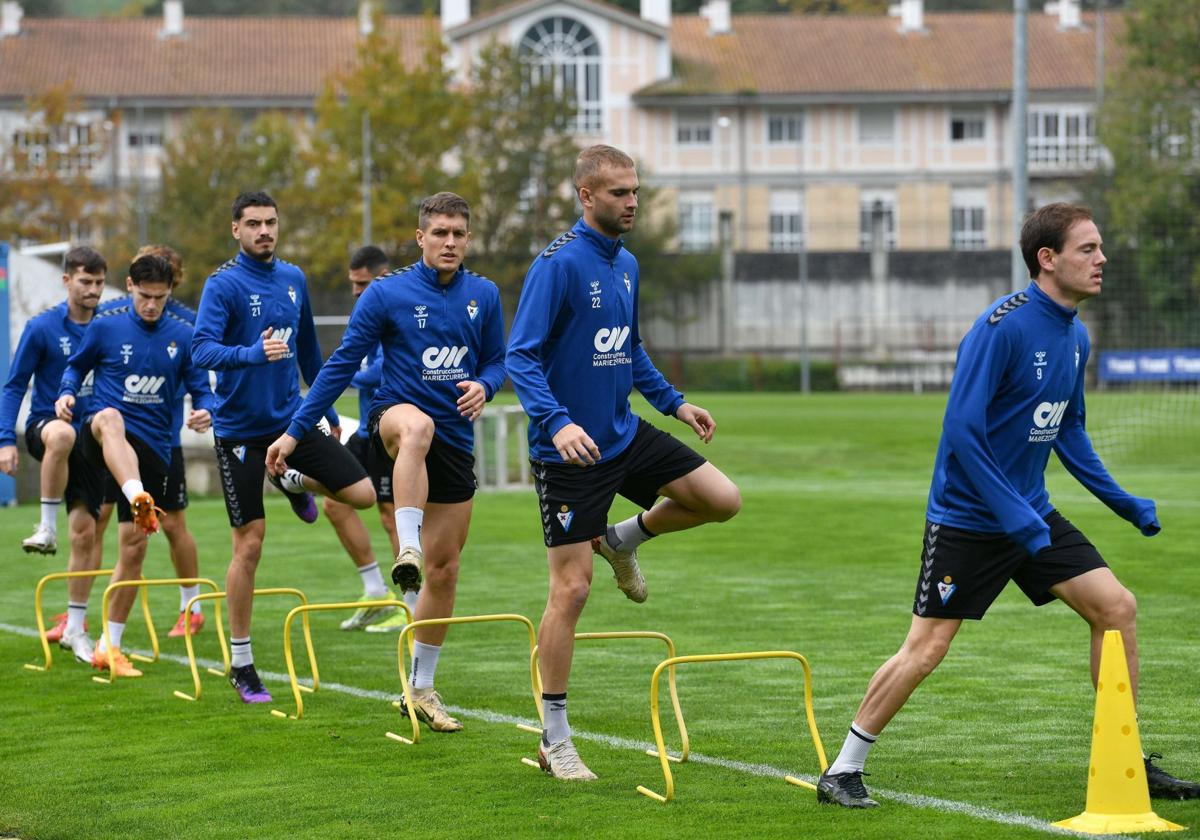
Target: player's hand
[470, 404]
[8, 460]
[274, 348]
[575, 447]
[63, 406]
[199, 420]
[335, 432]
[699, 419]
[278, 451]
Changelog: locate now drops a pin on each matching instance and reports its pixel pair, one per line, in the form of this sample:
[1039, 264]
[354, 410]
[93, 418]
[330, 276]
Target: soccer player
[367, 263]
[253, 328]
[46, 344]
[140, 357]
[174, 500]
[1017, 393]
[574, 355]
[442, 335]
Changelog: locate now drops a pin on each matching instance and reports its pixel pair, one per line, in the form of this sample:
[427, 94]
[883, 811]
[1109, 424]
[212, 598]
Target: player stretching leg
[140, 358]
[253, 328]
[574, 355]
[1017, 393]
[442, 335]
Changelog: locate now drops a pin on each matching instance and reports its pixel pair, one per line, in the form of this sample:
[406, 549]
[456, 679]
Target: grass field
[822, 560]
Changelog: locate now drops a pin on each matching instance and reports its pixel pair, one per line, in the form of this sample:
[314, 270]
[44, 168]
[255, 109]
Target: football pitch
[821, 560]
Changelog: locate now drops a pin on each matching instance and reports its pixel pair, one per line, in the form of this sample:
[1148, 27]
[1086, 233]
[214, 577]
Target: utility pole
[1020, 135]
[366, 177]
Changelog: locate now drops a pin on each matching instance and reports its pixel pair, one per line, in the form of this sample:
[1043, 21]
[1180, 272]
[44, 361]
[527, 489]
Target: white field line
[765, 770]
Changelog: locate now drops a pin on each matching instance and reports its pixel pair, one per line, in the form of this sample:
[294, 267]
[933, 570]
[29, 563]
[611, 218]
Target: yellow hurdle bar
[304, 610]
[41, 620]
[141, 582]
[217, 597]
[535, 681]
[727, 657]
[635, 634]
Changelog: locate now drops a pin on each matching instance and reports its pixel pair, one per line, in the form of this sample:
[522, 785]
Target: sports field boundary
[762, 770]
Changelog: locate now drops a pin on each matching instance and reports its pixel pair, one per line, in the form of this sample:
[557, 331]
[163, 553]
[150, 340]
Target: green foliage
[1150, 200]
[745, 373]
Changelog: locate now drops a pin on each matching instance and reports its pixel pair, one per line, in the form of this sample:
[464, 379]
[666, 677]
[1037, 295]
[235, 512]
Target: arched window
[567, 51]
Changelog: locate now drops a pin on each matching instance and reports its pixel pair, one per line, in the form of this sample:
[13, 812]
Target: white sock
[187, 593]
[628, 535]
[424, 664]
[408, 527]
[292, 481]
[116, 629]
[76, 613]
[242, 655]
[373, 586]
[410, 600]
[854, 751]
[554, 707]
[131, 488]
[50, 515]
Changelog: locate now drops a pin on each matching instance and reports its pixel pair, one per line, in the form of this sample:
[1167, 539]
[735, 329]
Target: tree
[214, 157]
[1150, 200]
[47, 193]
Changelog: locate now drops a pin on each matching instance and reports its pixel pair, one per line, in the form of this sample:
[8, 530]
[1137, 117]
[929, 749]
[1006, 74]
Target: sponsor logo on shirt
[610, 347]
[443, 364]
[143, 390]
[1047, 418]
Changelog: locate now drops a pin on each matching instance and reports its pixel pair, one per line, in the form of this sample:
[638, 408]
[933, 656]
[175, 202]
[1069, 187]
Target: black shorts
[242, 464]
[378, 469]
[963, 572]
[451, 470]
[575, 500]
[85, 484]
[151, 469]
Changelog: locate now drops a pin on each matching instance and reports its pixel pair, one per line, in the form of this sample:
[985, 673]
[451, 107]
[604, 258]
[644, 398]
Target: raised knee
[727, 503]
[416, 429]
[361, 496]
[59, 437]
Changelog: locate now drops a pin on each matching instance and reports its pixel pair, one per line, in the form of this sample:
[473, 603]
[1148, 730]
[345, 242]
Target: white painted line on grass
[765, 770]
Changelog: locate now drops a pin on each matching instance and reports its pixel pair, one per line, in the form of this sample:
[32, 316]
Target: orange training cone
[1118, 801]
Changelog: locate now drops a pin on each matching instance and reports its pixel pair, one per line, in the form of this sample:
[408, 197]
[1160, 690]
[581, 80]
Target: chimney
[172, 19]
[455, 13]
[10, 19]
[718, 14]
[657, 11]
[911, 14]
[1068, 11]
[366, 18]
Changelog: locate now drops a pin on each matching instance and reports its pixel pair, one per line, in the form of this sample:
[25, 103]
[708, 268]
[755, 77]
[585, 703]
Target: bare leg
[570, 582]
[445, 535]
[896, 680]
[58, 438]
[703, 495]
[1100, 599]
[351, 532]
[108, 426]
[407, 432]
[360, 494]
[129, 567]
[387, 518]
[84, 554]
[184, 556]
[239, 580]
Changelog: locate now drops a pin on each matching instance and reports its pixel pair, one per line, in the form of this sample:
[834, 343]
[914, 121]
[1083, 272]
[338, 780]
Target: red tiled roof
[217, 58]
[811, 54]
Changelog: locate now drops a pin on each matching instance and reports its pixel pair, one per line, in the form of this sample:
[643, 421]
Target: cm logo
[607, 340]
[135, 384]
[443, 357]
[284, 334]
[1049, 414]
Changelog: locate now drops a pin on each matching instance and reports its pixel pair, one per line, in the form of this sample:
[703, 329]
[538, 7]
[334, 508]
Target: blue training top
[47, 342]
[366, 381]
[575, 353]
[432, 337]
[1017, 393]
[139, 367]
[241, 299]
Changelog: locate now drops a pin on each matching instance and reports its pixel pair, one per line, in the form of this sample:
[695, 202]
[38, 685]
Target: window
[696, 216]
[786, 221]
[967, 219]
[150, 138]
[967, 126]
[785, 128]
[72, 148]
[886, 200]
[876, 124]
[1062, 136]
[693, 128]
[565, 50]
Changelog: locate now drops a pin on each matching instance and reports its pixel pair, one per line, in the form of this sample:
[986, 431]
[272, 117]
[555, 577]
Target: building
[796, 124]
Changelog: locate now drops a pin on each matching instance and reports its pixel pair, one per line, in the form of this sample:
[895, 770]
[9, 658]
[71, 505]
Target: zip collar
[254, 266]
[149, 326]
[605, 246]
[1048, 304]
[429, 276]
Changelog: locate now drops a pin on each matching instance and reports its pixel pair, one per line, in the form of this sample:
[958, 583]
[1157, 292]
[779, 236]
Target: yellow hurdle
[141, 582]
[407, 632]
[41, 619]
[631, 634]
[304, 610]
[217, 597]
[727, 657]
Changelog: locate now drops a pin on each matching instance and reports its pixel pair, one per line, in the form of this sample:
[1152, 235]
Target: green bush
[746, 373]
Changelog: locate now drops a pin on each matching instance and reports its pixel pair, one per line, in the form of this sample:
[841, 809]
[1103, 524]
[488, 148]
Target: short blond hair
[167, 253]
[593, 159]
